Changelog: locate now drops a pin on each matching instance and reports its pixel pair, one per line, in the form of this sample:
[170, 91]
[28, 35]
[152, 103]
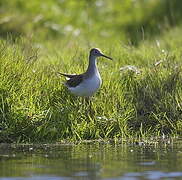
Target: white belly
[88, 87]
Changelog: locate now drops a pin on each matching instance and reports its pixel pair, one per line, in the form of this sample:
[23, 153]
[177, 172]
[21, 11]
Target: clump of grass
[35, 106]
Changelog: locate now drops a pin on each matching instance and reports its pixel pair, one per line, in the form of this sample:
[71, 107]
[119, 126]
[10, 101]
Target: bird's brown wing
[74, 80]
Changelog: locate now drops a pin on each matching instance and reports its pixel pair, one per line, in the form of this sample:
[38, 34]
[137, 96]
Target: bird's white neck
[92, 67]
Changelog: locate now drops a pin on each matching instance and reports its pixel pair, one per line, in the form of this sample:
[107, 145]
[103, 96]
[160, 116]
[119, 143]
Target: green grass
[36, 107]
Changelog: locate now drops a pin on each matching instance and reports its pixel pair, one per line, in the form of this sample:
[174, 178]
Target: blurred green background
[126, 20]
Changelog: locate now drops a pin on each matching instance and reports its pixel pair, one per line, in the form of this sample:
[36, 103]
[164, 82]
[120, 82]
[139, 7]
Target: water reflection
[91, 161]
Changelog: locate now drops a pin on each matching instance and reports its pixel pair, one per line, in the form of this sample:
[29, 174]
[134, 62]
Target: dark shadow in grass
[5, 114]
[155, 103]
[11, 26]
[6, 33]
[14, 126]
[164, 15]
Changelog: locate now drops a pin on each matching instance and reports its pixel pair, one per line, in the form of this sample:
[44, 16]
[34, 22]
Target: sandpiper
[87, 83]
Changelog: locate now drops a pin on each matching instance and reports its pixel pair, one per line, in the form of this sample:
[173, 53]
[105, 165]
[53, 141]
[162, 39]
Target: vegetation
[142, 88]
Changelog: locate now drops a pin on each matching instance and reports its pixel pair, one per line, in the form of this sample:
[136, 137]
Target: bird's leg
[87, 100]
[89, 108]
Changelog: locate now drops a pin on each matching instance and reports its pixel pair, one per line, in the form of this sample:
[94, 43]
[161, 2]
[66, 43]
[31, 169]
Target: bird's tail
[67, 75]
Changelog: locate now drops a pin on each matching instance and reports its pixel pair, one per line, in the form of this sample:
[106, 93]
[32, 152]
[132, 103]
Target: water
[92, 161]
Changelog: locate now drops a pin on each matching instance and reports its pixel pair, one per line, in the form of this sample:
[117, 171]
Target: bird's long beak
[106, 56]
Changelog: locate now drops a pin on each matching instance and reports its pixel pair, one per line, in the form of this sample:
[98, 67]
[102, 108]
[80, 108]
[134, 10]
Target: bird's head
[98, 53]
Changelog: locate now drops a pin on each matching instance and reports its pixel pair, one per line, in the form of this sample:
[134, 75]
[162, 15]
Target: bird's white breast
[88, 86]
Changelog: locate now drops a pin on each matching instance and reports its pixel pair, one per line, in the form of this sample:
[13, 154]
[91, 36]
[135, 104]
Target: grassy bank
[141, 92]
[35, 105]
